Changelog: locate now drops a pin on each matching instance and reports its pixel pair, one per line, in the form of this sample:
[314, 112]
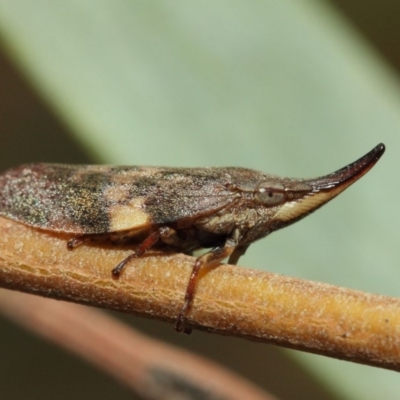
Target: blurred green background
[291, 88]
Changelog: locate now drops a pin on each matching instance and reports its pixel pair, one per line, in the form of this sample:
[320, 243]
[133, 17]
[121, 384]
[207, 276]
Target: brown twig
[314, 317]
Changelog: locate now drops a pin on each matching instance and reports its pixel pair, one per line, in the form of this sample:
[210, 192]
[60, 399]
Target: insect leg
[169, 236]
[210, 259]
[140, 250]
[237, 253]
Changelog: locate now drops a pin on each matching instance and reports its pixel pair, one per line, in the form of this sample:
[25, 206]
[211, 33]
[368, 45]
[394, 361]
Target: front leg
[238, 252]
[210, 259]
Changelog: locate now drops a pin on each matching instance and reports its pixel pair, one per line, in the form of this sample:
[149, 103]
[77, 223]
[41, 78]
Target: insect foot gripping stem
[149, 242]
[210, 259]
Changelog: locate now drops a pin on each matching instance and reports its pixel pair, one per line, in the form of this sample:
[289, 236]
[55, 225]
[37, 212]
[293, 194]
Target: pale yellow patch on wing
[128, 216]
[118, 193]
[295, 209]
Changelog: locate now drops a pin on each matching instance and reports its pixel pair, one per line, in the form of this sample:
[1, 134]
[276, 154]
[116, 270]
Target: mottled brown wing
[82, 199]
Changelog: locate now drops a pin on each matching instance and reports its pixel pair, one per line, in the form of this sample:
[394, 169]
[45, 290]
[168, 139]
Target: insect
[225, 209]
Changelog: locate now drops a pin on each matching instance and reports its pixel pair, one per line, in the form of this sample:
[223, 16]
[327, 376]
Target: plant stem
[294, 313]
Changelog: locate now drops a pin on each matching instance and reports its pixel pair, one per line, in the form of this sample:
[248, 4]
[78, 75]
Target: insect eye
[270, 194]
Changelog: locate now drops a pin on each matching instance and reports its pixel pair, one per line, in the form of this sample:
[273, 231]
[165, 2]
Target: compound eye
[270, 194]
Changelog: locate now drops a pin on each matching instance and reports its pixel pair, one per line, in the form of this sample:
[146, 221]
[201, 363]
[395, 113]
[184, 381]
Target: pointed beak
[344, 177]
[306, 196]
